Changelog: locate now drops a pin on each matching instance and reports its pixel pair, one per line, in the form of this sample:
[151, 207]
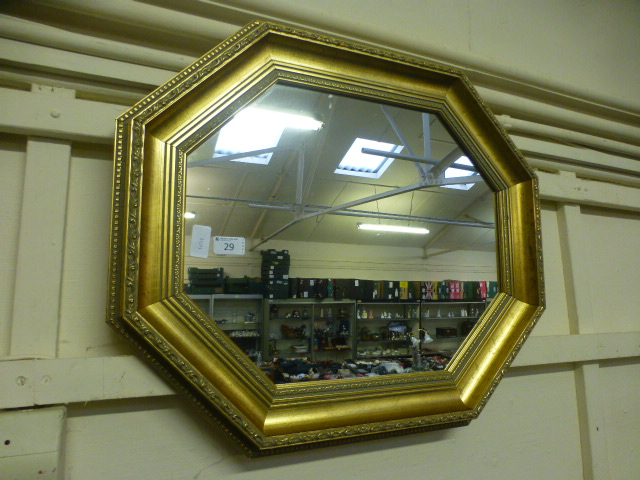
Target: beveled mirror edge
[124, 282]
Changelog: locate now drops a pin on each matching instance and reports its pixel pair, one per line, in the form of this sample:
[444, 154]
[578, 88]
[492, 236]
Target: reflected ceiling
[256, 201]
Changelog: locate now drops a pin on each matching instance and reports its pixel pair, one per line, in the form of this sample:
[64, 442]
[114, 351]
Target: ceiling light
[260, 117]
[363, 164]
[189, 215]
[291, 120]
[259, 129]
[392, 228]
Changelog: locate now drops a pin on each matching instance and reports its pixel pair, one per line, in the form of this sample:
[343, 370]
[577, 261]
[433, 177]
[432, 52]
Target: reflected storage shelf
[240, 317]
[203, 301]
[449, 322]
[337, 330]
[316, 329]
[383, 328]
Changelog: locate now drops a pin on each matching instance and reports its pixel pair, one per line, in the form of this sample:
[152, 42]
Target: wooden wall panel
[612, 240]
[84, 278]
[163, 439]
[620, 390]
[554, 321]
[12, 162]
[36, 299]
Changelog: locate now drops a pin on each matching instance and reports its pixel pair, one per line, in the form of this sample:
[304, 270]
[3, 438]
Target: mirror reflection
[333, 237]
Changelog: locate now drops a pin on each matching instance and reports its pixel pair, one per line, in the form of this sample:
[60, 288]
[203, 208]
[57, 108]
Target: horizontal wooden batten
[31, 382]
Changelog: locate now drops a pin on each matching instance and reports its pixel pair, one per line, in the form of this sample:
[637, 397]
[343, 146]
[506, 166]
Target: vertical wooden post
[40, 248]
[588, 392]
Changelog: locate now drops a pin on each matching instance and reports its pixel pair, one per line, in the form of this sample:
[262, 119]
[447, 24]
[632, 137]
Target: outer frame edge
[135, 117]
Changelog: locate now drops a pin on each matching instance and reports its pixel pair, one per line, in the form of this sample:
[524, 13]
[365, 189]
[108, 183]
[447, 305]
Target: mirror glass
[283, 249]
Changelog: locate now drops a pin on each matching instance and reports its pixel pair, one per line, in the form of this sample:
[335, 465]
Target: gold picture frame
[147, 303]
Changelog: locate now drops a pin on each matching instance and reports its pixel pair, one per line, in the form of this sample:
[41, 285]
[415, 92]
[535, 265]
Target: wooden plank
[11, 181]
[42, 34]
[556, 349]
[83, 66]
[32, 443]
[162, 439]
[583, 157]
[40, 251]
[589, 400]
[46, 382]
[618, 387]
[612, 253]
[587, 192]
[25, 383]
[576, 270]
[83, 332]
[57, 116]
[555, 319]
[581, 320]
[169, 21]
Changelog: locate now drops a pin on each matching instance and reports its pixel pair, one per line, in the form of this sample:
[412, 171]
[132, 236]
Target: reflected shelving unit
[307, 328]
[383, 329]
[240, 317]
[449, 322]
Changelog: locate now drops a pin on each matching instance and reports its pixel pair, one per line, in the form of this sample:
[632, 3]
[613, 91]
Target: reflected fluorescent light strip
[261, 117]
[189, 215]
[392, 228]
[292, 120]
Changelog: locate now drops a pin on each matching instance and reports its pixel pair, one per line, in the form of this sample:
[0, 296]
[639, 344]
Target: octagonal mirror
[316, 240]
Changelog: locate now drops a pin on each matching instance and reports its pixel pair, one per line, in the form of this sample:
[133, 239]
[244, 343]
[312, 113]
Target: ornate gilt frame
[147, 303]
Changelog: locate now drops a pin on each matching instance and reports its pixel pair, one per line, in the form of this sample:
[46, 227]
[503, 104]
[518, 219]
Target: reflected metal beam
[239, 187]
[384, 216]
[235, 156]
[448, 161]
[274, 193]
[371, 198]
[276, 205]
[412, 158]
[300, 180]
[426, 135]
[446, 229]
[277, 232]
[396, 128]
[441, 182]
[230, 199]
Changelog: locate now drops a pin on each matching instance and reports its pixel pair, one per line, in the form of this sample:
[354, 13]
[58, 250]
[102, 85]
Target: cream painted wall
[333, 260]
[566, 410]
[572, 45]
[606, 231]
